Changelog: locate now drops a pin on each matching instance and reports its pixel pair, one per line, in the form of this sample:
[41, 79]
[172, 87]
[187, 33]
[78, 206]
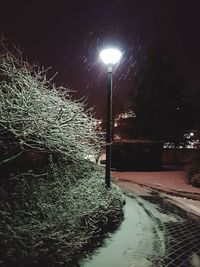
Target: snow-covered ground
[148, 234]
[138, 241]
[167, 182]
[190, 205]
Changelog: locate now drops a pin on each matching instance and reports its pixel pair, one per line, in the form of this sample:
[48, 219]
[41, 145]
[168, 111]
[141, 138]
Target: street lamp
[109, 56]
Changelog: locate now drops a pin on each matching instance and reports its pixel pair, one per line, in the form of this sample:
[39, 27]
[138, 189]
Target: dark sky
[68, 36]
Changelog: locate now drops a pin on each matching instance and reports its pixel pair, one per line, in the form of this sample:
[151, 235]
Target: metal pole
[108, 127]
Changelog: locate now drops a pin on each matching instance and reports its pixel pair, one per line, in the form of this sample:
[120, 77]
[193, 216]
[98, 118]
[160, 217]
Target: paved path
[174, 182]
[159, 229]
[155, 232]
[137, 242]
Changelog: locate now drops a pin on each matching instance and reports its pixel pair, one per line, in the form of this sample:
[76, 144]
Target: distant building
[123, 123]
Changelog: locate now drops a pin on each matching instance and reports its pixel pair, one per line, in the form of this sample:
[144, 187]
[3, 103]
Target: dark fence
[178, 156]
[137, 156]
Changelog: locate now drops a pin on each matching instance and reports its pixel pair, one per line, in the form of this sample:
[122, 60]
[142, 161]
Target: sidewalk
[171, 182]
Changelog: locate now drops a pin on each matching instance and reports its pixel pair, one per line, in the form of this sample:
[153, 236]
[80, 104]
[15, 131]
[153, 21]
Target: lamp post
[110, 57]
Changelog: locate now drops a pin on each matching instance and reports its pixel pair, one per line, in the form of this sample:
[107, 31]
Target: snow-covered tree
[38, 116]
[51, 215]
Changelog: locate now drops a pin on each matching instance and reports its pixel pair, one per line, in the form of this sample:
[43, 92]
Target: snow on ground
[189, 205]
[137, 242]
[167, 181]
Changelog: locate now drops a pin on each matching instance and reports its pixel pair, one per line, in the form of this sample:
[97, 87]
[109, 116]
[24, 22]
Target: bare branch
[11, 158]
[41, 116]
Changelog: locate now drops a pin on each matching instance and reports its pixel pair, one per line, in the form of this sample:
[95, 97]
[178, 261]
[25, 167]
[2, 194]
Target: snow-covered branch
[38, 115]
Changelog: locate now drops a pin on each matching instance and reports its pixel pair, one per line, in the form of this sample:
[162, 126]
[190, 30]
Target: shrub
[53, 202]
[195, 180]
[37, 116]
[49, 222]
[193, 169]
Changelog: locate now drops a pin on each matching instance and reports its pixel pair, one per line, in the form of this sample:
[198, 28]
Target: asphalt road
[155, 232]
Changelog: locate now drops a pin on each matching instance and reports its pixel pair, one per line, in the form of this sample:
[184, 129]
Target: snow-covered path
[139, 241]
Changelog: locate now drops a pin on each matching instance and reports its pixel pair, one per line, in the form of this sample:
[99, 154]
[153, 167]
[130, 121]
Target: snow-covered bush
[193, 169]
[55, 206]
[35, 115]
[50, 222]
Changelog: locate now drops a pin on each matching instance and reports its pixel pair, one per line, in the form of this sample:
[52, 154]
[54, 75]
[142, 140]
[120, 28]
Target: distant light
[191, 134]
[110, 55]
[117, 137]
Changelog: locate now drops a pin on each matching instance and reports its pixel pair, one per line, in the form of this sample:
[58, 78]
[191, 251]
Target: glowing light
[110, 55]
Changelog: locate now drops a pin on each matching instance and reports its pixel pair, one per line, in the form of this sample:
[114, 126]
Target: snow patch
[189, 205]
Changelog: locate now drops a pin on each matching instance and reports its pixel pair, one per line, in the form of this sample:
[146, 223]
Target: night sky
[68, 36]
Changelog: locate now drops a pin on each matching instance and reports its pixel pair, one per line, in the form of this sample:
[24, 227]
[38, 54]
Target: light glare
[110, 55]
